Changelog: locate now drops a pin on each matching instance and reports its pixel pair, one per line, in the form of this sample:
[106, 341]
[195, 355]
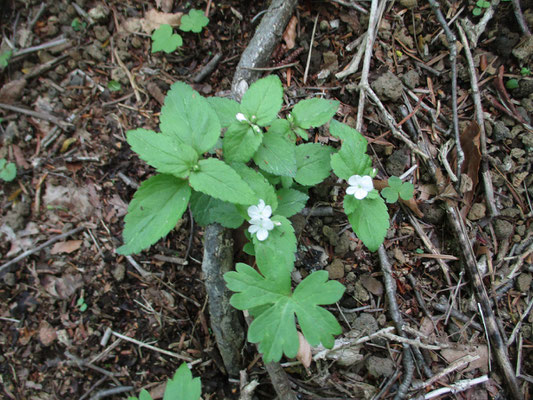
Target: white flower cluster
[359, 186]
[260, 222]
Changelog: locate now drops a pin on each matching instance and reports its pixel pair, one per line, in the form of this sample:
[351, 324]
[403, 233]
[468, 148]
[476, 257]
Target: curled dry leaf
[47, 334]
[451, 355]
[66, 247]
[289, 36]
[372, 285]
[304, 352]
[153, 19]
[63, 287]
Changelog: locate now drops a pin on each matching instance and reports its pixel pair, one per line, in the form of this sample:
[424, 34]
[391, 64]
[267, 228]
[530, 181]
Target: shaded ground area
[82, 74]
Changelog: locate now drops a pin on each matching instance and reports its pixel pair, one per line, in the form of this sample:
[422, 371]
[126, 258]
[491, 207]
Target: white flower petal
[262, 234]
[253, 228]
[267, 224]
[360, 194]
[354, 180]
[253, 212]
[351, 190]
[366, 183]
[240, 117]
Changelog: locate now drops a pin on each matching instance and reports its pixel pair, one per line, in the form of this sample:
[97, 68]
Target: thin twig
[352, 5]
[207, 69]
[457, 364]
[36, 114]
[459, 386]
[55, 42]
[39, 248]
[520, 18]
[308, 63]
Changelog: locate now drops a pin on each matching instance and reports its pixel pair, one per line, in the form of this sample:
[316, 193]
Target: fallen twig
[459, 386]
[207, 69]
[36, 114]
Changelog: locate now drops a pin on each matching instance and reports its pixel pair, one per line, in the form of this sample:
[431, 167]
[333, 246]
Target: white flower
[360, 186]
[260, 222]
[241, 117]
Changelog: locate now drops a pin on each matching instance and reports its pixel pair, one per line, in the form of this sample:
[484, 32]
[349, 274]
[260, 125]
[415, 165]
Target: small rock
[388, 86]
[365, 324]
[477, 211]
[9, 279]
[380, 367]
[409, 3]
[298, 223]
[99, 13]
[504, 42]
[95, 51]
[411, 79]
[524, 50]
[119, 75]
[136, 42]
[331, 234]
[503, 229]
[324, 25]
[527, 139]
[360, 294]
[119, 272]
[523, 282]
[344, 244]
[500, 131]
[524, 89]
[336, 269]
[16, 216]
[101, 33]
[397, 162]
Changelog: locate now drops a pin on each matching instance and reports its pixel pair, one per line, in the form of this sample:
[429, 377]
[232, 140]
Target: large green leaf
[240, 142]
[261, 187]
[290, 202]
[206, 210]
[313, 163]
[314, 112]
[276, 155]
[165, 153]
[226, 110]
[370, 222]
[262, 101]
[183, 386]
[274, 328]
[190, 118]
[219, 180]
[276, 254]
[154, 210]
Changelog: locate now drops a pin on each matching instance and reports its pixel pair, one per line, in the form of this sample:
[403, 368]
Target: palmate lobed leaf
[183, 386]
[351, 159]
[154, 210]
[263, 100]
[274, 327]
[194, 21]
[189, 117]
[164, 40]
[167, 154]
[206, 210]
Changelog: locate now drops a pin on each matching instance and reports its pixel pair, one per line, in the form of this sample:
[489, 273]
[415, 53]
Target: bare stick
[39, 248]
[353, 66]
[352, 5]
[459, 386]
[308, 63]
[487, 182]
[519, 324]
[475, 31]
[209, 67]
[129, 75]
[55, 42]
[457, 364]
[36, 114]
[520, 18]
[111, 392]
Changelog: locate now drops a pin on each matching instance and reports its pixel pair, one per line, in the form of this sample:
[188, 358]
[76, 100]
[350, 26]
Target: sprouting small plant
[181, 387]
[480, 6]
[8, 170]
[78, 25]
[525, 71]
[163, 39]
[81, 304]
[195, 21]
[511, 84]
[114, 86]
[397, 188]
[5, 56]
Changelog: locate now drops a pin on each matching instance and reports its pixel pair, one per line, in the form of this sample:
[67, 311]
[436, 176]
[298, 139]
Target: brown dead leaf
[63, 287]
[47, 334]
[289, 36]
[12, 91]
[66, 247]
[304, 351]
[166, 5]
[372, 285]
[19, 157]
[460, 351]
[153, 19]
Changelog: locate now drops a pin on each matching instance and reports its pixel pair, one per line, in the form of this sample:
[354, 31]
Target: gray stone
[503, 229]
[366, 324]
[388, 86]
[397, 162]
[409, 3]
[523, 282]
[336, 269]
[100, 13]
[524, 49]
[95, 51]
[119, 272]
[500, 131]
[360, 293]
[380, 367]
[411, 79]
[101, 33]
[16, 216]
[9, 279]
[343, 245]
[524, 89]
[527, 139]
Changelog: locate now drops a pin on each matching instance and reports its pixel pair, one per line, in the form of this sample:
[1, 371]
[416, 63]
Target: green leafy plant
[195, 21]
[259, 174]
[163, 39]
[81, 304]
[480, 6]
[8, 170]
[397, 188]
[114, 86]
[511, 84]
[181, 387]
[525, 71]
[5, 56]
[78, 25]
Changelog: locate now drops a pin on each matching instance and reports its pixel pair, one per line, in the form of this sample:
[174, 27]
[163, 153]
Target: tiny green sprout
[114, 86]
[195, 21]
[163, 39]
[78, 24]
[8, 170]
[396, 189]
[419, 251]
[511, 84]
[5, 57]
[525, 71]
[81, 304]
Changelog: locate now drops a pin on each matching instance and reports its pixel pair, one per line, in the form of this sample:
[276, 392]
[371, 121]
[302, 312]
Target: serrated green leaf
[8, 170]
[290, 202]
[195, 21]
[276, 155]
[164, 40]
[313, 163]
[286, 182]
[370, 222]
[219, 180]
[262, 101]
[189, 117]
[314, 112]
[226, 110]
[282, 127]
[240, 142]
[182, 386]
[165, 153]
[154, 210]
[274, 327]
[206, 210]
[350, 203]
[276, 254]
[261, 187]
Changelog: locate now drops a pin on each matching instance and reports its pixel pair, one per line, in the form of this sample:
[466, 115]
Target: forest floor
[82, 74]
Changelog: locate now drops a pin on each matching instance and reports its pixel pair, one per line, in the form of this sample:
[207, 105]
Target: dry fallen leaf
[153, 19]
[47, 334]
[66, 247]
[304, 351]
[12, 91]
[63, 287]
[289, 36]
[450, 355]
[372, 285]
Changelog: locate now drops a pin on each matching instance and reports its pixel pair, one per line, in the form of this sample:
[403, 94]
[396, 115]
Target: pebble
[360, 293]
[477, 211]
[500, 131]
[409, 3]
[523, 282]
[388, 86]
[99, 13]
[119, 272]
[411, 79]
[101, 33]
[503, 229]
[380, 367]
[336, 269]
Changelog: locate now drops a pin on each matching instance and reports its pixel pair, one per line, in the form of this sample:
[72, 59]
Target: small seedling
[511, 84]
[81, 304]
[163, 39]
[397, 188]
[8, 170]
[525, 71]
[181, 387]
[78, 25]
[195, 21]
[114, 86]
[5, 57]
[480, 6]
